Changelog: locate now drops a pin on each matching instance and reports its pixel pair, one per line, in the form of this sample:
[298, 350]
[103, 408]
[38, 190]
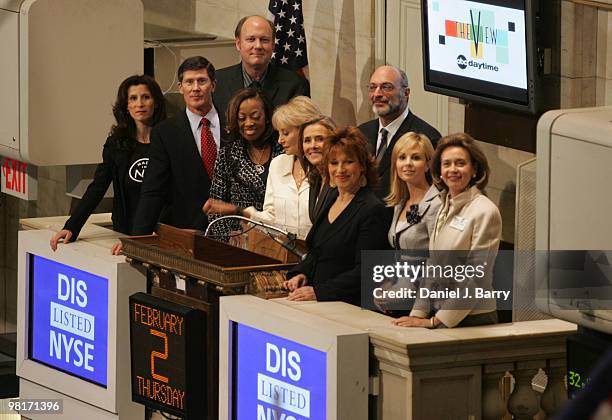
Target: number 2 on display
[159, 355]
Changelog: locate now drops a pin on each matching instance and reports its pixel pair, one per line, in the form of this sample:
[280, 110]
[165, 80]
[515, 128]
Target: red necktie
[209, 147]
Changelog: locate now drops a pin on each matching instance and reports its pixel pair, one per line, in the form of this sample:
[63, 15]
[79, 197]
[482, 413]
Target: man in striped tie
[182, 155]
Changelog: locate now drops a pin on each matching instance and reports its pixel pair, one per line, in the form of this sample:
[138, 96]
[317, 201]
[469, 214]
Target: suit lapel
[385, 162]
[270, 85]
[345, 217]
[192, 155]
[236, 81]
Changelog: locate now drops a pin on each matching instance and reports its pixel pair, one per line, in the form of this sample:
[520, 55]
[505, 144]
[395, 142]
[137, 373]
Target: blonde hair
[399, 190]
[294, 113]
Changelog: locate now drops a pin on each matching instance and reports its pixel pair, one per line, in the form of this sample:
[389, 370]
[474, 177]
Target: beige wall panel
[167, 60]
[404, 49]
[73, 56]
[338, 35]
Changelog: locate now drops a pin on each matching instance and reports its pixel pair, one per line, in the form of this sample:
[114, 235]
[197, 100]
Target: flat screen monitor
[480, 50]
[73, 325]
[276, 362]
[272, 373]
[68, 319]
[573, 276]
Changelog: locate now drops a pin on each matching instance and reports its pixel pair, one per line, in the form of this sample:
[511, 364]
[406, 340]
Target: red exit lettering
[14, 173]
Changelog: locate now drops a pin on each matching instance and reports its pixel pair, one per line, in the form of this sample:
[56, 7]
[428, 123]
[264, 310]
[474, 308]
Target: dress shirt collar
[196, 119]
[394, 125]
[247, 80]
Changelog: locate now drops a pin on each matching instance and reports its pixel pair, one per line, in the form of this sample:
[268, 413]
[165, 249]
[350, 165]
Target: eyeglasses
[191, 83]
[385, 87]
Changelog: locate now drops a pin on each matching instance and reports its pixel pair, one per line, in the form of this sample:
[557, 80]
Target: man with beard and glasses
[388, 92]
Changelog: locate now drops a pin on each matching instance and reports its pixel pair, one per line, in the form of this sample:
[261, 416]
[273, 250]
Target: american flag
[290, 42]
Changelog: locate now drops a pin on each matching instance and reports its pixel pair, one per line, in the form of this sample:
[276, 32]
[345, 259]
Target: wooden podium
[187, 268]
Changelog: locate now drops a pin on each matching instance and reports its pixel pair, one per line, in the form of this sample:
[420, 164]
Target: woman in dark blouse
[241, 168]
[139, 106]
[312, 139]
[351, 220]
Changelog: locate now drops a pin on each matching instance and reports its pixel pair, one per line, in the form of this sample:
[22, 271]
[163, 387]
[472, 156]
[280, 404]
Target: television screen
[277, 378]
[68, 319]
[478, 50]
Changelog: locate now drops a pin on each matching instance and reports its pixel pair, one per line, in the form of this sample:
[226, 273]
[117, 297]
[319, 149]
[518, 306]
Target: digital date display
[167, 342]
[583, 353]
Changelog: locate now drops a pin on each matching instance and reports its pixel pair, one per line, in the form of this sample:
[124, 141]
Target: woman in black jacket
[351, 220]
[139, 106]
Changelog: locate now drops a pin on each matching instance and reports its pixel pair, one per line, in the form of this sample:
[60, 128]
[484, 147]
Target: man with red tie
[182, 155]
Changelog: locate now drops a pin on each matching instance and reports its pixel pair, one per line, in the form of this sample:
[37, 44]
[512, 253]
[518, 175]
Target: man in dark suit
[182, 155]
[255, 42]
[388, 92]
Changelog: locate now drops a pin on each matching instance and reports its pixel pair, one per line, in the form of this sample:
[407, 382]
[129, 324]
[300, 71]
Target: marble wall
[339, 35]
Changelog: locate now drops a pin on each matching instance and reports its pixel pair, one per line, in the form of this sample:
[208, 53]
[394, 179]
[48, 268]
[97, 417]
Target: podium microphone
[289, 243]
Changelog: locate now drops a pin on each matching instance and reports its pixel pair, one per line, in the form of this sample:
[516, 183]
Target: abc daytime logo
[462, 61]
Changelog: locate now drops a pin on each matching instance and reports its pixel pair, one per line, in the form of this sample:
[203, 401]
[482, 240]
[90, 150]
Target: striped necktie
[382, 147]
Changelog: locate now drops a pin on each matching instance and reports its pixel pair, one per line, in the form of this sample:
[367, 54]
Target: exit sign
[19, 179]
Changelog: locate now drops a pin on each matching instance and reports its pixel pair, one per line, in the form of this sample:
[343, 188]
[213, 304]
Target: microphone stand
[288, 244]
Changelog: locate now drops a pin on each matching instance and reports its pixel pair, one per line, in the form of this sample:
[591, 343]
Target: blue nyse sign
[69, 319]
[276, 378]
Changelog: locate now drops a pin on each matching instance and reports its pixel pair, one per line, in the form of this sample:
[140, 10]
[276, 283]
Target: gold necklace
[300, 176]
[259, 165]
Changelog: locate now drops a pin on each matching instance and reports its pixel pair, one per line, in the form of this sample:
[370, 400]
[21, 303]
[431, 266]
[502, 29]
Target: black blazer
[411, 123]
[175, 180]
[279, 85]
[114, 167]
[317, 196]
[333, 264]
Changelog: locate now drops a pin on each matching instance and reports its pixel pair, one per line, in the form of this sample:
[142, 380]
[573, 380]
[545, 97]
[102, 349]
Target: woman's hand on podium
[116, 249]
[303, 293]
[413, 321]
[213, 206]
[295, 282]
[63, 235]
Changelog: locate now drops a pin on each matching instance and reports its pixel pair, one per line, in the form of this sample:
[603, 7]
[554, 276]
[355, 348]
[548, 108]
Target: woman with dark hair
[242, 167]
[139, 106]
[351, 220]
[312, 139]
[467, 221]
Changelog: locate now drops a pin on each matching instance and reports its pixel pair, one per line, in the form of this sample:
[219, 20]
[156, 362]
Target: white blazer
[284, 205]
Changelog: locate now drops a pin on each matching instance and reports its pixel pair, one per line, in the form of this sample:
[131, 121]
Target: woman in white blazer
[467, 221]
